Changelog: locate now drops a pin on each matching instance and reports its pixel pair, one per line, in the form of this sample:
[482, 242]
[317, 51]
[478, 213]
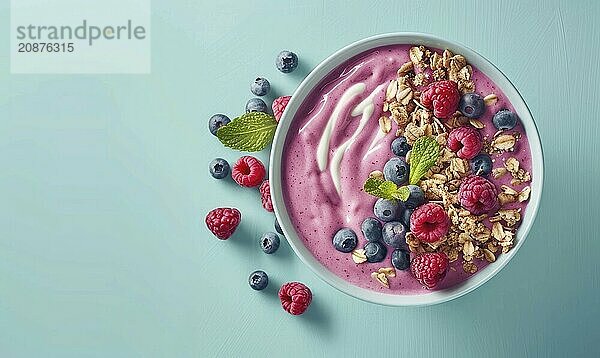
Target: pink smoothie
[316, 208]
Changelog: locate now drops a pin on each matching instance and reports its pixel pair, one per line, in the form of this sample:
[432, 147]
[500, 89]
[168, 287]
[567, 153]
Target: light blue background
[104, 187]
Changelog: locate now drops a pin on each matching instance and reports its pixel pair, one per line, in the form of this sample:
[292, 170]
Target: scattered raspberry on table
[222, 222]
[279, 105]
[265, 196]
[248, 171]
[295, 297]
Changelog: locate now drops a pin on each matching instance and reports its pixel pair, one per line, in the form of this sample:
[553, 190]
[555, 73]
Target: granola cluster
[470, 236]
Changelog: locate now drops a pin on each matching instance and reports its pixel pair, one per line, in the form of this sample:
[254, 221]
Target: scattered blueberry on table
[260, 86]
[286, 61]
[256, 105]
[219, 168]
[269, 242]
[258, 280]
[217, 121]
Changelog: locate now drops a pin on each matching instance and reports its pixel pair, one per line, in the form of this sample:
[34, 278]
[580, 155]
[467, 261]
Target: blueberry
[375, 251]
[278, 227]
[269, 242]
[405, 217]
[396, 170]
[471, 105]
[217, 121]
[394, 234]
[258, 280]
[416, 197]
[386, 210]
[260, 86]
[345, 240]
[371, 229]
[481, 164]
[400, 146]
[286, 61]
[219, 168]
[505, 120]
[401, 259]
[256, 105]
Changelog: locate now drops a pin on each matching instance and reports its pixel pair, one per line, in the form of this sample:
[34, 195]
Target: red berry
[430, 268]
[279, 105]
[429, 222]
[295, 297]
[465, 141]
[442, 97]
[265, 196]
[223, 221]
[248, 171]
[478, 195]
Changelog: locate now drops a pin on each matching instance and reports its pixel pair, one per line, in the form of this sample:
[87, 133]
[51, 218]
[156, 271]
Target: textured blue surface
[104, 185]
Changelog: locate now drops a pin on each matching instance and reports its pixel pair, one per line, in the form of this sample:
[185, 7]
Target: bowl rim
[314, 78]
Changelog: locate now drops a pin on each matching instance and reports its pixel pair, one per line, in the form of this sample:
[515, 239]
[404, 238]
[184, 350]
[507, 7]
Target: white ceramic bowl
[307, 86]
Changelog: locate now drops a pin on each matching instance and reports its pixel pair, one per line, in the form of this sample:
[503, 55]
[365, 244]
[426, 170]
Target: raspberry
[478, 195]
[465, 141]
[265, 196]
[429, 222]
[248, 171]
[279, 105]
[430, 268]
[295, 297]
[223, 221]
[442, 97]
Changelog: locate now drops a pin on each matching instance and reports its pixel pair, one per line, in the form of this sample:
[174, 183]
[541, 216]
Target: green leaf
[250, 132]
[402, 193]
[385, 189]
[372, 186]
[424, 155]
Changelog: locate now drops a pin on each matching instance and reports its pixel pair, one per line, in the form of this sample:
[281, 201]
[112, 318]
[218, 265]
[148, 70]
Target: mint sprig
[424, 154]
[385, 189]
[250, 132]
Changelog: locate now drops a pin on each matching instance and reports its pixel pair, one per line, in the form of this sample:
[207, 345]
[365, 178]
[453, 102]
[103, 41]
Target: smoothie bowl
[406, 170]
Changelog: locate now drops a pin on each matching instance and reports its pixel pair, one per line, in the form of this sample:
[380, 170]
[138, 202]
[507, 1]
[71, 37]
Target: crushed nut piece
[504, 142]
[489, 255]
[377, 174]
[391, 91]
[388, 271]
[382, 278]
[358, 256]
[512, 165]
[498, 172]
[476, 123]
[490, 99]
[416, 55]
[385, 124]
[405, 69]
[524, 194]
[469, 267]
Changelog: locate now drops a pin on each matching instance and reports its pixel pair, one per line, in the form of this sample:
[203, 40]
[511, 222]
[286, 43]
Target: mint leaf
[423, 156]
[385, 189]
[250, 132]
[402, 193]
[372, 186]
